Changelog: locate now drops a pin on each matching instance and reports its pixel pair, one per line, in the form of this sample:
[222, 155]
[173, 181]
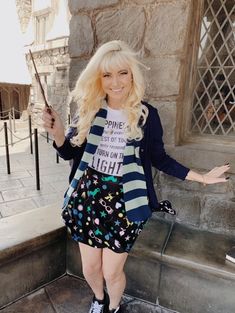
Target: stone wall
[156, 29]
[160, 31]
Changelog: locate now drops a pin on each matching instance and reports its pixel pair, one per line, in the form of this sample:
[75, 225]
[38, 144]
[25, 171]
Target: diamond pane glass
[213, 107]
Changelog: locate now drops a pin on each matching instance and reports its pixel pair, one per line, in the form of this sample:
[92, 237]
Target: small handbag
[166, 207]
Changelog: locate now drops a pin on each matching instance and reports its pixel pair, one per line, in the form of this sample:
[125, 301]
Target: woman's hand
[216, 175]
[53, 125]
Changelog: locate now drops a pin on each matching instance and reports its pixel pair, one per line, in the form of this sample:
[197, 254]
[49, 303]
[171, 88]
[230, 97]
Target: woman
[113, 144]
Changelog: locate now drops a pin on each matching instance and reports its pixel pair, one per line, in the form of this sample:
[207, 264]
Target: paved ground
[18, 190]
[72, 295]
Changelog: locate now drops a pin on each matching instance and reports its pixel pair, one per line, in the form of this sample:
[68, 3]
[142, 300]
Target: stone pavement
[18, 190]
[72, 295]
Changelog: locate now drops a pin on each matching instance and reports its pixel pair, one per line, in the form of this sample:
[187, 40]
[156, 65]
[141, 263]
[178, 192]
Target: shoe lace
[97, 307]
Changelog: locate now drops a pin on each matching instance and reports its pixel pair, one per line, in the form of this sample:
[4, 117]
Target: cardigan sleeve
[159, 158]
[67, 151]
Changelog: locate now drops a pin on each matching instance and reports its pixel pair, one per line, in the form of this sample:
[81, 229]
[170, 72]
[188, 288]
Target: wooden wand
[41, 88]
[39, 81]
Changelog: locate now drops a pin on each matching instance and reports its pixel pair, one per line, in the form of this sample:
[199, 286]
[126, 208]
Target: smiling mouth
[117, 90]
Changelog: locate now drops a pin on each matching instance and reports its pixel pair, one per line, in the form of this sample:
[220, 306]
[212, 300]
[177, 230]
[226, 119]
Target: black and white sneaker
[98, 306]
[117, 310]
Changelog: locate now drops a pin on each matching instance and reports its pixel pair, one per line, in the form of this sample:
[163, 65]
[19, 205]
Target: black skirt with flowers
[96, 213]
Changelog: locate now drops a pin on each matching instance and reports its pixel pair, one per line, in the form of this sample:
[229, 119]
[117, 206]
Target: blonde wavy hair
[89, 94]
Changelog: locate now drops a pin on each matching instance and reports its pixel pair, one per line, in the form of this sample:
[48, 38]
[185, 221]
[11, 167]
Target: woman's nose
[115, 81]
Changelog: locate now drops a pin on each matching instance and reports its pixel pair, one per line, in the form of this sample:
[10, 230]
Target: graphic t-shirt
[108, 158]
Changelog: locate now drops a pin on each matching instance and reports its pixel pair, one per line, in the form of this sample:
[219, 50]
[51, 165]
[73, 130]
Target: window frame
[184, 115]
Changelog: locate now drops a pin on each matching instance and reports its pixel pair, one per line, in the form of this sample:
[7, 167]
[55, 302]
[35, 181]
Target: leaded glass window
[213, 109]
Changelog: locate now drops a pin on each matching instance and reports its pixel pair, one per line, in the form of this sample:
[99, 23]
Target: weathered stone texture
[218, 214]
[167, 113]
[75, 5]
[127, 24]
[24, 9]
[186, 205]
[167, 28]
[76, 67]
[142, 1]
[163, 79]
[81, 40]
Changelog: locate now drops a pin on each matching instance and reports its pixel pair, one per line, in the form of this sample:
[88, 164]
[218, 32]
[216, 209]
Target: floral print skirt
[96, 216]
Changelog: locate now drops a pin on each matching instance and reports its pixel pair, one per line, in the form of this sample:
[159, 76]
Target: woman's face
[117, 84]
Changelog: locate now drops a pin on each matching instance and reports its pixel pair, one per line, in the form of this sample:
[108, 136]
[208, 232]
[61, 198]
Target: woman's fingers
[216, 175]
[49, 116]
[218, 171]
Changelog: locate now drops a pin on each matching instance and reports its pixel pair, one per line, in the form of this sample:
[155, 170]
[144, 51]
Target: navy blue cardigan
[152, 153]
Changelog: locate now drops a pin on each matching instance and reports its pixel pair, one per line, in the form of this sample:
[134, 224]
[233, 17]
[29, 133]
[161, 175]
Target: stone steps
[177, 267]
[32, 252]
[172, 265]
[72, 295]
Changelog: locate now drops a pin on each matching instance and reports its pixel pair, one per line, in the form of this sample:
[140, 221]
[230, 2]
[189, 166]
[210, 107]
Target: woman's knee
[91, 269]
[111, 276]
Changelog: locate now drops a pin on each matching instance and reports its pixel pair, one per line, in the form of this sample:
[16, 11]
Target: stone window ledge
[204, 155]
[50, 44]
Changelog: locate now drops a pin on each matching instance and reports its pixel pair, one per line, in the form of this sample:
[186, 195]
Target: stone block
[69, 294]
[142, 278]
[143, 267]
[126, 24]
[190, 186]
[54, 198]
[75, 5]
[199, 250]
[30, 244]
[218, 214]
[187, 205]
[5, 185]
[16, 207]
[204, 156]
[26, 192]
[143, 1]
[38, 302]
[167, 113]
[31, 271]
[195, 276]
[163, 79]
[195, 292]
[76, 67]
[15, 175]
[81, 40]
[74, 264]
[167, 28]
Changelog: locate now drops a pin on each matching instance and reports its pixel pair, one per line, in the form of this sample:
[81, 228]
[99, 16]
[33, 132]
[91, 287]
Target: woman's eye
[106, 75]
[124, 73]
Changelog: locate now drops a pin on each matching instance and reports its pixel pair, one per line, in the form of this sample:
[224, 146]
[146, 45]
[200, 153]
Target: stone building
[13, 95]
[14, 76]
[45, 25]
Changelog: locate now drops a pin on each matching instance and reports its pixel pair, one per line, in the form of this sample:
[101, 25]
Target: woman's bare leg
[114, 275]
[92, 269]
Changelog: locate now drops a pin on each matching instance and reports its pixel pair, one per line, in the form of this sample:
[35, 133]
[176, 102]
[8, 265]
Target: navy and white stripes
[134, 184]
